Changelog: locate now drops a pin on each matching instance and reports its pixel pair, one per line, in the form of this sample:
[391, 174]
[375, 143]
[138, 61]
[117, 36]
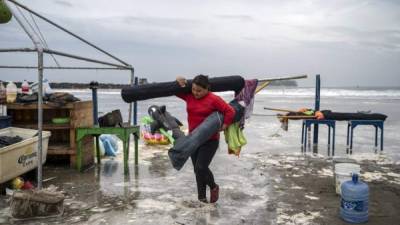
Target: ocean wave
[334, 92]
[287, 92]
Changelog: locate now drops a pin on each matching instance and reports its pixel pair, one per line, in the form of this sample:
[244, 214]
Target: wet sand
[271, 182]
[257, 188]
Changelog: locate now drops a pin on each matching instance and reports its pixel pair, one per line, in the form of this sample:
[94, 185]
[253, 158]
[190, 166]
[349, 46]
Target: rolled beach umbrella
[5, 13]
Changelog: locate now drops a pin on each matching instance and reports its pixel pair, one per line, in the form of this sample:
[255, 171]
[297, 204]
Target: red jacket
[199, 109]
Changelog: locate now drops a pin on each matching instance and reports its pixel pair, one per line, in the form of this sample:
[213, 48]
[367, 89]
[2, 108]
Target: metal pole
[67, 31]
[50, 51]
[40, 117]
[31, 35]
[317, 102]
[94, 85]
[18, 50]
[135, 105]
[130, 104]
[61, 67]
[39, 49]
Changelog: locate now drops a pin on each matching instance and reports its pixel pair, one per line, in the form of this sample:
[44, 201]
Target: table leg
[347, 138]
[98, 150]
[333, 141]
[351, 139]
[329, 140]
[79, 155]
[309, 138]
[376, 139]
[302, 133]
[382, 138]
[136, 149]
[126, 155]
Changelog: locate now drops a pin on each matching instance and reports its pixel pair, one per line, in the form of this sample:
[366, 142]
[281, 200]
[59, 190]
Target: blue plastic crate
[5, 121]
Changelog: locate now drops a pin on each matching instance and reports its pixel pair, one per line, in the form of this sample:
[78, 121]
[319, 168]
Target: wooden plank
[47, 126]
[60, 149]
[34, 105]
[82, 114]
[46, 105]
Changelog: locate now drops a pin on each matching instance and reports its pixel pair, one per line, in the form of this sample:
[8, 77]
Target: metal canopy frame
[42, 49]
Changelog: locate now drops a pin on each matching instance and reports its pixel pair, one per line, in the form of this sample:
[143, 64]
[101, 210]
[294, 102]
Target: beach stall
[74, 114]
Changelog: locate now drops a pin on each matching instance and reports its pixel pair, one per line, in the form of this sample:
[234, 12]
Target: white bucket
[343, 172]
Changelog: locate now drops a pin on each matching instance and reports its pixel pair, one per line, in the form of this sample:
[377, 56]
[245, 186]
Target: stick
[266, 82]
[262, 86]
[283, 78]
[297, 117]
[280, 110]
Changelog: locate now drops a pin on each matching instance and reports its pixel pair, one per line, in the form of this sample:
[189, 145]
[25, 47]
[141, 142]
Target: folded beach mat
[185, 146]
[164, 89]
[329, 115]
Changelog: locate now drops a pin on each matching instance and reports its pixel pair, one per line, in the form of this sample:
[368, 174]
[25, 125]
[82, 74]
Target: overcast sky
[348, 42]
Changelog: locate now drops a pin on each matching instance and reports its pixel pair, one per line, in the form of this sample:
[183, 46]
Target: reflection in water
[109, 167]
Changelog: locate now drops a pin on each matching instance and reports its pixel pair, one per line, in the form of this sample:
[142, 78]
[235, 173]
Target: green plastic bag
[235, 138]
[5, 13]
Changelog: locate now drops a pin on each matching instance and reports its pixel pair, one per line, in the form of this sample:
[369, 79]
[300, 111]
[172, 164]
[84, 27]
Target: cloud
[242, 18]
[63, 3]
[163, 39]
[387, 39]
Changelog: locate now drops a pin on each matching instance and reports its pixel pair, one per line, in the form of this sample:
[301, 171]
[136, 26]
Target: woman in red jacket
[199, 105]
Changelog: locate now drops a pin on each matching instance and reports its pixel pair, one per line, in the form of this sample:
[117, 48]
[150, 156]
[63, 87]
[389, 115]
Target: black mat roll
[164, 89]
[329, 115]
[185, 146]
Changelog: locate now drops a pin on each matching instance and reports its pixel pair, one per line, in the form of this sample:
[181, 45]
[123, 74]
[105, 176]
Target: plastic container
[110, 145]
[343, 172]
[11, 92]
[25, 87]
[340, 159]
[3, 94]
[354, 201]
[21, 157]
[3, 100]
[45, 87]
[60, 120]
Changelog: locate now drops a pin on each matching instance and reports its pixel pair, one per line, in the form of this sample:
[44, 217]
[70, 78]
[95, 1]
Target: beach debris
[289, 218]
[49, 179]
[28, 204]
[311, 197]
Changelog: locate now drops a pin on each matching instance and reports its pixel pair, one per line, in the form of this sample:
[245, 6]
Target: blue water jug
[354, 201]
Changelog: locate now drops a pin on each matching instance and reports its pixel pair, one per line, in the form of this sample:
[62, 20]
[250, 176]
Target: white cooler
[21, 157]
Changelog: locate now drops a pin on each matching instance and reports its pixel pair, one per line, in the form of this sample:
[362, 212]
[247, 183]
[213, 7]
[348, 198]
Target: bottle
[46, 87]
[354, 201]
[25, 87]
[3, 100]
[3, 96]
[11, 91]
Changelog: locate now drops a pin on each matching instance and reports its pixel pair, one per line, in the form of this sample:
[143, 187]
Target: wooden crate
[62, 141]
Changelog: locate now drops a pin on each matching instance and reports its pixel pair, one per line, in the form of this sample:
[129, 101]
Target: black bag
[111, 119]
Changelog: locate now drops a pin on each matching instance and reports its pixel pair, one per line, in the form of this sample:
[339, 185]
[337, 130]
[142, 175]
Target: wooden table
[121, 132]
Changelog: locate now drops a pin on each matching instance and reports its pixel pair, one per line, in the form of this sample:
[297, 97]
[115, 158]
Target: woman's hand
[181, 81]
[224, 126]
